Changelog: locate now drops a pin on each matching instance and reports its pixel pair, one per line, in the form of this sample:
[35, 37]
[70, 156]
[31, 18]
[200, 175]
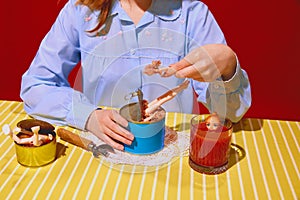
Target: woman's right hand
[108, 125]
[205, 64]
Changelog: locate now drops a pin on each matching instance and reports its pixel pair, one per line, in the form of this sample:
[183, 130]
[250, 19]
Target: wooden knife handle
[73, 138]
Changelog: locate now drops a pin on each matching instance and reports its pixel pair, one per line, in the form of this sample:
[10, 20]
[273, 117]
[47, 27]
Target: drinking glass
[209, 148]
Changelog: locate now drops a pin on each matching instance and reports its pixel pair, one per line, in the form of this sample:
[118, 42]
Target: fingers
[114, 124]
[183, 63]
[166, 71]
[175, 67]
[114, 144]
[119, 133]
[205, 63]
[113, 138]
[108, 126]
[115, 116]
[204, 70]
[190, 72]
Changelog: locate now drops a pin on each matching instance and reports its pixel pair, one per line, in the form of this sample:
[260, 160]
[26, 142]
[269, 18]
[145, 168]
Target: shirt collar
[167, 10]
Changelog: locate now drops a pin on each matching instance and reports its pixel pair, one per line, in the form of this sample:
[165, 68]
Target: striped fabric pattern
[264, 164]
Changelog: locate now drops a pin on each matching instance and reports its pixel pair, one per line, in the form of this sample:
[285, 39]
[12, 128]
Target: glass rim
[224, 121]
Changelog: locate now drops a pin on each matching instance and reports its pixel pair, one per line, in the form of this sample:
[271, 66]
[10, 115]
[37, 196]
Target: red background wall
[264, 34]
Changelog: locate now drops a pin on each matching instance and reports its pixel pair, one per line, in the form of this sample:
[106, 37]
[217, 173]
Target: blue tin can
[148, 136]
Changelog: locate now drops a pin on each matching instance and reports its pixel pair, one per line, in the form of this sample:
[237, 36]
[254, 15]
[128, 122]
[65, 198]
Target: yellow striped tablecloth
[265, 166]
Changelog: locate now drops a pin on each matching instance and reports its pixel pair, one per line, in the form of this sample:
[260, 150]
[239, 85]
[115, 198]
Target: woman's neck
[135, 8]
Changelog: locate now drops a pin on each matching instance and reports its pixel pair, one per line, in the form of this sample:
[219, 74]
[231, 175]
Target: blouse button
[132, 51]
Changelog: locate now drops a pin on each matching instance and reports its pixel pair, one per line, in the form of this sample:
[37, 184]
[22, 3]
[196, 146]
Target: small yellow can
[35, 156]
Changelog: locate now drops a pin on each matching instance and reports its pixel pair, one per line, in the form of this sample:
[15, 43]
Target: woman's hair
[103, 6]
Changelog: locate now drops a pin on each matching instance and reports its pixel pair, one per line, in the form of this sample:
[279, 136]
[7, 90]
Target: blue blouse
[113, 57]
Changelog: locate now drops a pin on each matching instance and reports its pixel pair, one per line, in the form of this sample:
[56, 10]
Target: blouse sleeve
[230, 98]
[45, 89]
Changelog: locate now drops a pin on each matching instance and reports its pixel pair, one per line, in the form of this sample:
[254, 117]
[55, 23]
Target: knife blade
[141, 105]
[140, 98]
[84, 143]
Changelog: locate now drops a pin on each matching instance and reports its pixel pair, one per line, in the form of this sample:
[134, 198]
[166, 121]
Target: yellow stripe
[8, 184]
[98, 184]
[17, 185]
[62, 175]
[260, 175]
[249, 166]
[141, 188]
[84, 175]
[118, 183]
[167, 183]
[284, 179]
[106, 190]
[154, 186]
[71, 177]
[179, 178]
[239, 193]
[228, 185]
[274, 162]
[91, 184]
[293, 129]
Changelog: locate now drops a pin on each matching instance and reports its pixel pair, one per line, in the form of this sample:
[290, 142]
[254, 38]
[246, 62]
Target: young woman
[114, 40]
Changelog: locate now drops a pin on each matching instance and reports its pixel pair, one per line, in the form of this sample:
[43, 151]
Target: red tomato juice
[209, 148]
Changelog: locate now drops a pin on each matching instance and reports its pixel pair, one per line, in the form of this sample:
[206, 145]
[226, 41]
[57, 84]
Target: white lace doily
[176, 145]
